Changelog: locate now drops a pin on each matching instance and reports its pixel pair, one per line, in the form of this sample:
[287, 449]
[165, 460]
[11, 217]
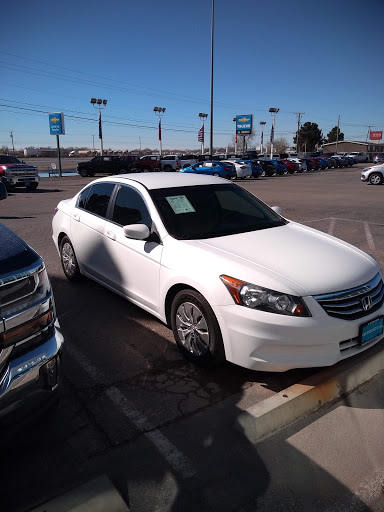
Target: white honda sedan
[223, 269]
[243, 169]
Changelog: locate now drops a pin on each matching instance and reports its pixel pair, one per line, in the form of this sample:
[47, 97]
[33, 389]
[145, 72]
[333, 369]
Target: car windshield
[6, 159]
[208, 211]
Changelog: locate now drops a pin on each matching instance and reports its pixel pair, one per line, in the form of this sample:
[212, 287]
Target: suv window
[130, 208]
[98, 199]
[169, 158]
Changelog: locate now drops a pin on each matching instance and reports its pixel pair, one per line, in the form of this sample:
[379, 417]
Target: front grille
[355, 302]
[21, 172]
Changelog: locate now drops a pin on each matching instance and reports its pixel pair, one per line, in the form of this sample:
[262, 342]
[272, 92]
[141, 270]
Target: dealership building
[347, 146]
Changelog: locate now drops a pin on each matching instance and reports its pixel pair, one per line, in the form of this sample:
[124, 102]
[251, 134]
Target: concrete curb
[97, 495]
[274, 413]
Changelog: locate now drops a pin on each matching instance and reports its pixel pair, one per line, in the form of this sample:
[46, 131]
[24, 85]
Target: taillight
[227, 168]
[242, 167]
[55, 211]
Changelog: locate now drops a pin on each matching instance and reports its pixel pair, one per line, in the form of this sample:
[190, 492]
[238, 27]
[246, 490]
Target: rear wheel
[216, 174]
[167, 168]
[375, 179]
[196, 330]
[68, 260]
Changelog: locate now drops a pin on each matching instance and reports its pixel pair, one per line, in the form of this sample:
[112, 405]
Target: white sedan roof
[154, 180]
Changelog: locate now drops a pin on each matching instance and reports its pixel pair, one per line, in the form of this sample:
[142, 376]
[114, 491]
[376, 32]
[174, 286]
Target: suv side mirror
[3, 191]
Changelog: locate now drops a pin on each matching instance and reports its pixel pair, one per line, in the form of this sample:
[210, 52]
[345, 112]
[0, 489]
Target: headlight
[263, 299]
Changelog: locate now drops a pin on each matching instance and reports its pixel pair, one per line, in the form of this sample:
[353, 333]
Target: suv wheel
[168, 168]
[83, 173]
[375, 178]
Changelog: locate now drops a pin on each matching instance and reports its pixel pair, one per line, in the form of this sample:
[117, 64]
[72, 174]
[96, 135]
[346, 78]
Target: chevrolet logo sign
[55, 119]
[244, 120]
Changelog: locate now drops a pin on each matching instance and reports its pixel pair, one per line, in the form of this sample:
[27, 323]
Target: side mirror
[3, 191]
[276, 209]
[136, 231]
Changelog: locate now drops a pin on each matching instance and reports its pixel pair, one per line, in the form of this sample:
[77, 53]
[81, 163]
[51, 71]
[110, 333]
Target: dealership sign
[56, 124]
[375, 135]
[244, 125]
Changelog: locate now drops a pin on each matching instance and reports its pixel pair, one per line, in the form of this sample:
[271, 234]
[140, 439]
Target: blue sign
[56, 124]
[244, 125]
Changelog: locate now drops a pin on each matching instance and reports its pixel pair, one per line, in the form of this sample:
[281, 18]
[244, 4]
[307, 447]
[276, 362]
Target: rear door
[87, 229]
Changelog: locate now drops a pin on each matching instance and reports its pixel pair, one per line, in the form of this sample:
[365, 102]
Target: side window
[82, 199]
[98, 199]
[130, 208]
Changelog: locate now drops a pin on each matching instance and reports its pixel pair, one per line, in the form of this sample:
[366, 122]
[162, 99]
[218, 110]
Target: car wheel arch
[171, 294]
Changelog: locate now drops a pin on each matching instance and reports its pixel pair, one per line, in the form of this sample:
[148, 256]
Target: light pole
[160, 111]
[93, 143]
[234, 120]
[200, 136]
[211, 109]
[273, 111]
[262, 124]
[98, 103]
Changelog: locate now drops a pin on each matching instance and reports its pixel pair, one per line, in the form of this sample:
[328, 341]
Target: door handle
[76, 216]
[111, 235]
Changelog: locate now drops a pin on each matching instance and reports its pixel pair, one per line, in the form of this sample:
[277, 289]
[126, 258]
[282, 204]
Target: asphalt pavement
[162, 430]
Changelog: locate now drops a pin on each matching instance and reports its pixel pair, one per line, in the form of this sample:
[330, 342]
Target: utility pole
[140, 142]
[13, 147]
[337, 133]
[211, 109]
[299, 114]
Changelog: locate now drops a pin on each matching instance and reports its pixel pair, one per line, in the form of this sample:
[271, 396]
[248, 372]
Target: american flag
[159, 130]
[200, 136]
[100, 132]
[272, 135]
[262, 139]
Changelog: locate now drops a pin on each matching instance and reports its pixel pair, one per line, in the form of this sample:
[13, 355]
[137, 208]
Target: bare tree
[280, 145]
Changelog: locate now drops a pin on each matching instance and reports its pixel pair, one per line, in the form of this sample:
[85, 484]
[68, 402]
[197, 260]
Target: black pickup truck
[109, 164]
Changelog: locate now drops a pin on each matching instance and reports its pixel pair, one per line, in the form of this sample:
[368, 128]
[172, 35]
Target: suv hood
[303, 259]
[15, 254]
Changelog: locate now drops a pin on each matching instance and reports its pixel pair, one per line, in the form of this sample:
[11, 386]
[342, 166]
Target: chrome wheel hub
[68, 259]
[192, 328]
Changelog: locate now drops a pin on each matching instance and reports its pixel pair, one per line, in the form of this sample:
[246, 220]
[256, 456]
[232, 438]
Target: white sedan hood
[306, 260]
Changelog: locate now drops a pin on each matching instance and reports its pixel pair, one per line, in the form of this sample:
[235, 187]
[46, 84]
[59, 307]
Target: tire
[83, 173]
[263, 173]
[32, 186]
[68, 260]
[375, 178]
[168, 168]
[123, 171]
[216, 174]
[196, 330]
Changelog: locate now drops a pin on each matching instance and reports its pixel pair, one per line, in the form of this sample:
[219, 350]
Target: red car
[291, 166]
[315, 162]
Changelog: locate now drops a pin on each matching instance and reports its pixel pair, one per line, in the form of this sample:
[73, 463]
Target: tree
[280, 145]
[310, 136]
[332, 135]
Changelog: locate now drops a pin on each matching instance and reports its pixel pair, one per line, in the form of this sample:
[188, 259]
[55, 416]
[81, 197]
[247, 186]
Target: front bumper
[21, 181]
[30, 380]
[269, 342]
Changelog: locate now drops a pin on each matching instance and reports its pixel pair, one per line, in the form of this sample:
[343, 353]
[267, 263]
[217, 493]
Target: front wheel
[68, 260]
[83, 173]
[375, 179]
[196, 330]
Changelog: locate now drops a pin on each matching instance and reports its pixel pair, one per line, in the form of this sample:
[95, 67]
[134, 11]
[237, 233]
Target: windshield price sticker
[180, 204]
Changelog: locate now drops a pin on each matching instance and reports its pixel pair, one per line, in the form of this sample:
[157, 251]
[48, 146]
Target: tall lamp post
[200, 136]
[160, 111]
[273, 111]
[99, 104]
[234, 120]
[262, 124]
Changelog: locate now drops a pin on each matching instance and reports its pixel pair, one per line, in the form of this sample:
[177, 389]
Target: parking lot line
[371, 243]
[177, 460]
[331, 226]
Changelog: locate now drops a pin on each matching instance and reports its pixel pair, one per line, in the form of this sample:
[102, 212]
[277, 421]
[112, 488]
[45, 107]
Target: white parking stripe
[331, 226]
[180, 462]
[371, 243]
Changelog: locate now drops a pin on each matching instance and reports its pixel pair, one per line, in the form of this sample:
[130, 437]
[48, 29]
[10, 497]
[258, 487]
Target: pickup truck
[30, 336]
[147, 163]
[110, 164]
[176, 162]
[14, 173]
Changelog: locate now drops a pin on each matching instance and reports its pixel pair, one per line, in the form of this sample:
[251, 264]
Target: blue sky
[324, 59]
